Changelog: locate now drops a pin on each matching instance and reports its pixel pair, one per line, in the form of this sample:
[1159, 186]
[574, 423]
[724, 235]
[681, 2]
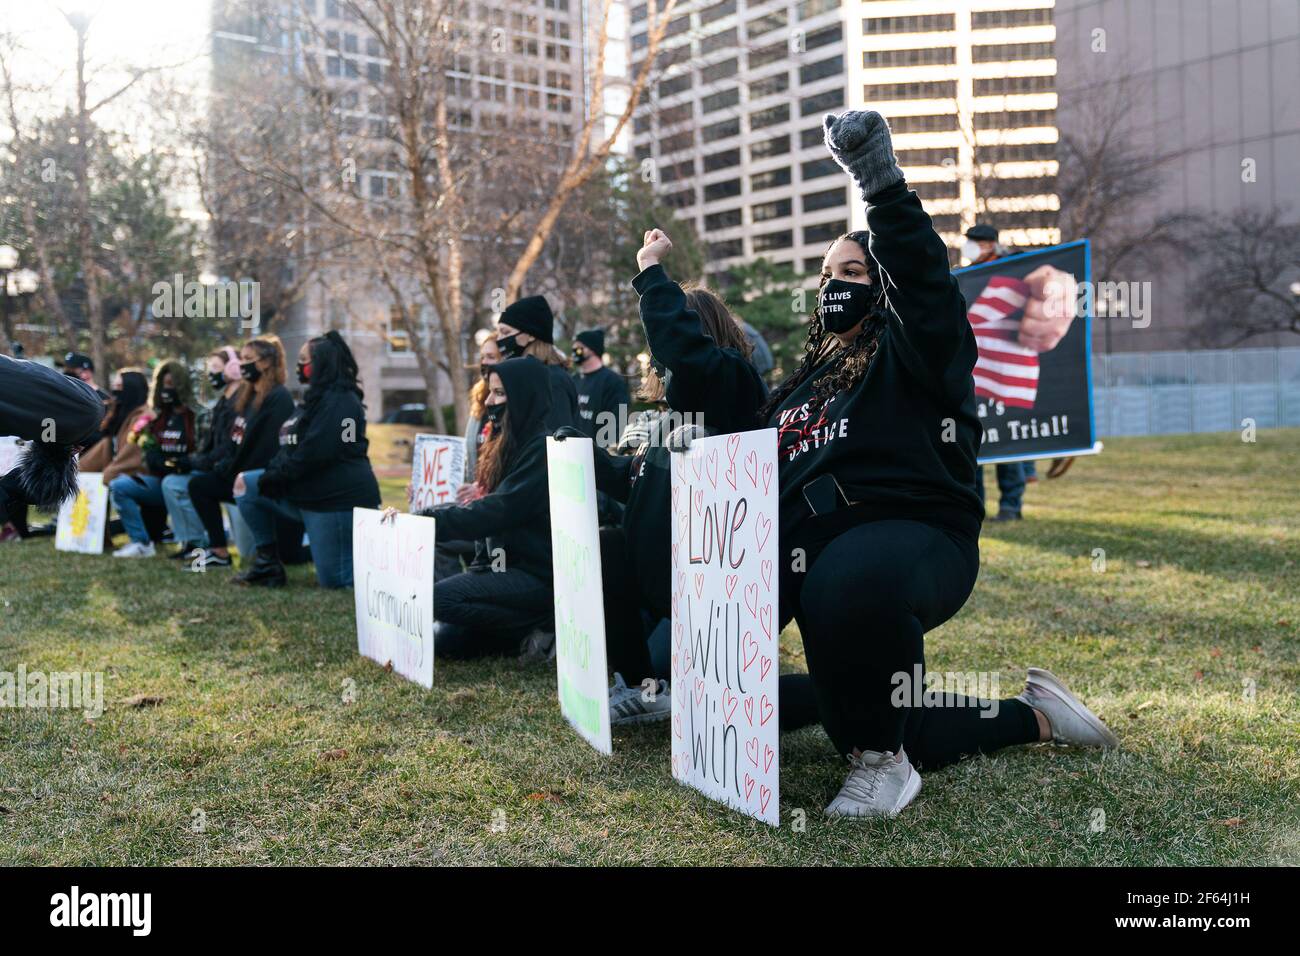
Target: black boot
[267, 571]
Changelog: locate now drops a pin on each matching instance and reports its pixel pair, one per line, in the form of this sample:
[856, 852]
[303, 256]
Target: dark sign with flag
[1033, 380]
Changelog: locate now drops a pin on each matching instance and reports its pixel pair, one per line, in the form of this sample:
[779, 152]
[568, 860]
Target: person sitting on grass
[320, 473]
[157, 445]
[223, 377]
[261, 406]
[506, 606]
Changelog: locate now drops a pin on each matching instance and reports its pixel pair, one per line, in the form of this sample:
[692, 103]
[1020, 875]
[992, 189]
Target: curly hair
[848, 364]
[494, 455]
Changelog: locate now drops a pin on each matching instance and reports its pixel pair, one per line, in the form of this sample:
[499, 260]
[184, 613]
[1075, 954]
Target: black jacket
[600, 393]
[902, 442]
[217, 444]
[514, 517]
[718, 387]
[564, 400]
[322, 463]
[255, 434]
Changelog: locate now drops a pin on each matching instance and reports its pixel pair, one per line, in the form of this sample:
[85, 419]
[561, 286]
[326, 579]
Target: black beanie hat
[982, 233]
[531, 315]
[594, 340]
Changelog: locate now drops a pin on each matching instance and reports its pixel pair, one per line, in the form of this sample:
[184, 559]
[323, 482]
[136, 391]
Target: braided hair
[848, 364]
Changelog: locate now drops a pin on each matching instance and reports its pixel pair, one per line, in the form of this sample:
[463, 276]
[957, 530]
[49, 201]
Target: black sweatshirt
[32, 395]
[564, 399]
[514, 517]
[600, 393]
[217, 445]
[322, 464]
[718, 387]
[175, 434]
[902, 442]
[254, 434]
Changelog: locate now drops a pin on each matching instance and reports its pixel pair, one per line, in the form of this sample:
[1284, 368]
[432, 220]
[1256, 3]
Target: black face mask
[250, 371]
[494, 413]
[167, 397]
[842, 305]
[117, 394]
[580, 356]
[510, 346]
[217, 380]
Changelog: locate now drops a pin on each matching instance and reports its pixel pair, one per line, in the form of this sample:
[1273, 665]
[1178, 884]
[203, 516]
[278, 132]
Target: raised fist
[655, 247]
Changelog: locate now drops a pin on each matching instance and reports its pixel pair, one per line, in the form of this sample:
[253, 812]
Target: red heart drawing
[733, 445]
[699, 690]
[699, 585]
[765, 618]
[699, 501]
[729, 704]
[749, 786]
[751, 468]
[676, 665]
[767, 477]
[751, 650]
[762, 529]
[731, 476]
[674, 553]
[768, 756]
[766, 565]
[711, 466]
[732, 579]
[679, 630]
[677, 725]
[751, 598]
[764, 666]
[751, 750]
[681, 582]
[764, 797]
[696, 464]
[765, 710]
[676, 488]
[749, 710]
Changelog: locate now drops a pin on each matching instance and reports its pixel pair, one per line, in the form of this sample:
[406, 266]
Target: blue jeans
[129, 492]
[186, 526]
[1011, 485]
[330, 532]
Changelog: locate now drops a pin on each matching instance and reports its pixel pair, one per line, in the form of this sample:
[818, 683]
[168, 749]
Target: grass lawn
[1199, 602]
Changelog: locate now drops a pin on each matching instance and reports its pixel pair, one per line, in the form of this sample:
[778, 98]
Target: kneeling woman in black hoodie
[320, 473]
[877, 435]
[491, 609]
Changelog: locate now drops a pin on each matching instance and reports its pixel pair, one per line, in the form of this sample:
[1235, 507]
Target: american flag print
[1006, 371]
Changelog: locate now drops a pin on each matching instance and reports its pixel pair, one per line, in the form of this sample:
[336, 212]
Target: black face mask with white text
[842, 304]
[494, 414]
[510, 347]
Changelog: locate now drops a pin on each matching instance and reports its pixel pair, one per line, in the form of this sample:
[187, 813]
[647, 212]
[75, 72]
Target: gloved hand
[859, 141]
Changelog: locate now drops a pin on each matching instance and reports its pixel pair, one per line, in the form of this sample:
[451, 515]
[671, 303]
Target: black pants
[207, 492]
[480, 613]
[625, 633]
[869, 595]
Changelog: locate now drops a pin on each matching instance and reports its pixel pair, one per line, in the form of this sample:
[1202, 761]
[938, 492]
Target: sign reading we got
[81, 520]
[392, 565]
[579, 605]
[437, 470]
[725, 739]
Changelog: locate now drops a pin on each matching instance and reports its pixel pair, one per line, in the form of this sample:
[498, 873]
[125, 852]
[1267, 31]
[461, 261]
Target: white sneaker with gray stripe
[878, 785]
[635, 705]
[1072, 723]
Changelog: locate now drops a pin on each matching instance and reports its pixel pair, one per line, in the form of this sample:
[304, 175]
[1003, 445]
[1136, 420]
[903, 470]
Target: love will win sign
[725, 737]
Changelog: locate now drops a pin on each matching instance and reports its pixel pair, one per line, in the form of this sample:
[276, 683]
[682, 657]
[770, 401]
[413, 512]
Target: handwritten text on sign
[392, 564]
[725, 627]
[81, 520]
[579, 605]
[437, 470]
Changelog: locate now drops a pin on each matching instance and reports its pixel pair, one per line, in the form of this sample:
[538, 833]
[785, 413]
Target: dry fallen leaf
[336, 754]
[1233, 821]
[144, 700]
[1215, 652]
[1199, 675]
[545, 795]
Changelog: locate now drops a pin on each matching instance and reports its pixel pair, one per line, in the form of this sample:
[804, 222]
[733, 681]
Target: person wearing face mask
[261, 405]
[877, 434]
[488, 356]
[128, 401]
[152, 452]
[526, 328]
[603, 397]
[320, 473]
[507, 605]
[223, 379]
[702, 371]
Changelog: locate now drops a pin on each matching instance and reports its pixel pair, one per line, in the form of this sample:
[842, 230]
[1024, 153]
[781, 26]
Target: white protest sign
[392, 567]
[11, 449]
[437, 470]
[82, 517]
[726, 632]
[579, 606]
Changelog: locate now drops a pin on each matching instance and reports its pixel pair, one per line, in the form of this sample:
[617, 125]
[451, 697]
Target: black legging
[484, 612]
[869, 595]
[625, 635]
[207, 492]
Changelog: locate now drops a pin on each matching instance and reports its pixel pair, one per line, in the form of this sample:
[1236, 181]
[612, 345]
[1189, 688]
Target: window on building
[723, 220]
[996, 19]
[1015, 119]
[925, 56]
[821, 102]
[776, 209]
[832, 66]
[770, 179]
[1006, 52]
[926, 23]
[927, 90]
[940, 190]
[769, 117]
[825, 231]
[775, 146]
[726, 249]
[1008, 85]
[781, 239]
[826, 199]
[719, 71]
[769, 85]
[717, 12]
[766, 24]
[815, 169]
[723, 190]
[933, 123]
[723, 160]
[811, 8]
[724, 130]
[720, 100]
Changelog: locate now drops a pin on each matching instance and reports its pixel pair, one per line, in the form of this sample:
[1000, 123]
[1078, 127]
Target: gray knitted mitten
[859, 140]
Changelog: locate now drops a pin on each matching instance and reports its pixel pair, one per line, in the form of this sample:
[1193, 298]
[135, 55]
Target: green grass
[1201, 591]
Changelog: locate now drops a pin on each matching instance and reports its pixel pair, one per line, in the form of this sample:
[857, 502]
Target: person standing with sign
[877, 439]
[321, 472]
[495, 608]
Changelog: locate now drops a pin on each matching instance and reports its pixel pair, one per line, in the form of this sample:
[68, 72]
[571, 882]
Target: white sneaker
[134, 549]
[879, 785]
[627, 705]
[1072, 723]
